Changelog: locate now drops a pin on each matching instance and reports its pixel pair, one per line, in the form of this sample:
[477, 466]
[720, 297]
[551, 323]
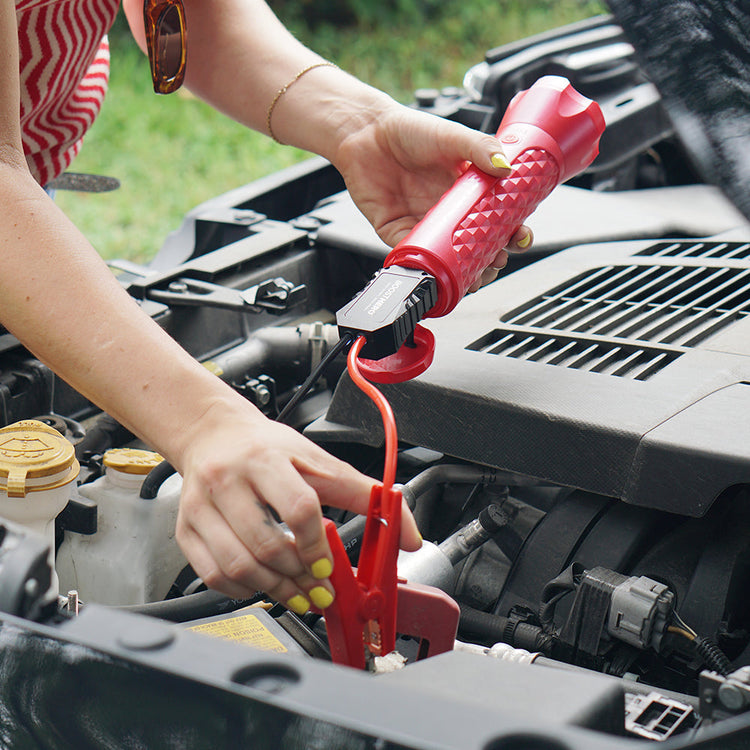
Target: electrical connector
[609, 605]
[388, 309]
[639, 611]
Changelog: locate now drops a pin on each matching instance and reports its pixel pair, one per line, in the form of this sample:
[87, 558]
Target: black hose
[191, 607]
[352, 531]
[106, 433]
[313, 644]
[155, 479]
[498, 629]
[488, 627]
[314, 376]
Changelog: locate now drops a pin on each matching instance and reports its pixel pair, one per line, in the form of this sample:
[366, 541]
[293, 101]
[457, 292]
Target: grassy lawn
[174, 152]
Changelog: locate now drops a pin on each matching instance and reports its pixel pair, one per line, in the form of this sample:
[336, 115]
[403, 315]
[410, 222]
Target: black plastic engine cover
[620, 368]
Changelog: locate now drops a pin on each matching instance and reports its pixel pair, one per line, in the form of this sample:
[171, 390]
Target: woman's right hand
[239, 470]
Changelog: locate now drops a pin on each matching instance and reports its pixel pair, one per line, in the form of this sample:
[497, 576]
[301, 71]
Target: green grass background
[173, 152]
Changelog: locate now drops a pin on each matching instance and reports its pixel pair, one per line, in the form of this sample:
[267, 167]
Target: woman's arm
[396, 161]
[59, 298]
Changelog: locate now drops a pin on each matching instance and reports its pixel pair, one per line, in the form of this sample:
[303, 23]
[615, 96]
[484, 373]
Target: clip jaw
[361, 622]
[372, 605]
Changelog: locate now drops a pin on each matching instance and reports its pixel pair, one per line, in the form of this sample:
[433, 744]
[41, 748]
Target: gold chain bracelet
[286, 87]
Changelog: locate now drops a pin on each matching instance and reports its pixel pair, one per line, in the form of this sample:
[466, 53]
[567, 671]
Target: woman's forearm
[240, 56]
[60, 299]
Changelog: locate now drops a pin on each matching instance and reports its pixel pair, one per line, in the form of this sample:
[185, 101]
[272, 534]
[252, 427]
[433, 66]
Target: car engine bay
[573, 457]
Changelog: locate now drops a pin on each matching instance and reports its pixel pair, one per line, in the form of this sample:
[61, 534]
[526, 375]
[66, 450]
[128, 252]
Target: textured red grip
[549, 133]
[460, 236]
[493, 220]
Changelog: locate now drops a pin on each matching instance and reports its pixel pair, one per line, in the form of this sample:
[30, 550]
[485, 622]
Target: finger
[289, 593]
[304, 518]
[498, 262]
[485, 277]
[340, 485]
[394, 231]
[337, 483]
[411, 539]
[351, 490]
[490, 274]
[222, 560]
[297, 502]
[310, 591]
[521, 240]
[296, 595]
[205, 566]
[252, 521]
[482, 149]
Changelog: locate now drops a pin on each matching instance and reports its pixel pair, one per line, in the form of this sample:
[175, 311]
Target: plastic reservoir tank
[38, 469]
[133, 557]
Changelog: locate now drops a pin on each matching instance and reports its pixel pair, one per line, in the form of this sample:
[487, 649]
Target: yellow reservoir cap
[34, 457]
[131, 460]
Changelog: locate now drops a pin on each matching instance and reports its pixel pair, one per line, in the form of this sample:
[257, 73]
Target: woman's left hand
[397, 167]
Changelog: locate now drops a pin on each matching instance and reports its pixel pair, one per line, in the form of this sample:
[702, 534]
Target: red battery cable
[389, 421]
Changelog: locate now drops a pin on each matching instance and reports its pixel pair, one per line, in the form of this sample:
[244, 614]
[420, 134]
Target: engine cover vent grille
[593, 355]
[675, 305]
[725, 250]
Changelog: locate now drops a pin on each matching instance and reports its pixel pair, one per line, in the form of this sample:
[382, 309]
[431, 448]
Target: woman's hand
[400, 163]
[239, 471]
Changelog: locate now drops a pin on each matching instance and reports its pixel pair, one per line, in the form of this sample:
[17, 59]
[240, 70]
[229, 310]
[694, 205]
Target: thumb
[488, 155]
[481, 149]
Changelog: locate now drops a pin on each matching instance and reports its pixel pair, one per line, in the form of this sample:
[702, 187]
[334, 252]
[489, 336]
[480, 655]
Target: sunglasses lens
[169, 45]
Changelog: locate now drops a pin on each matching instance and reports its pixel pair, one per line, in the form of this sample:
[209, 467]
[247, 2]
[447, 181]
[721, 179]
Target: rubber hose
[155, 479]
[106, 433]
[489, 627]
[191, 607]
[496, 628]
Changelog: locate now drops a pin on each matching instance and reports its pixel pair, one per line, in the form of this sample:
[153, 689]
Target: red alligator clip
[372, 605]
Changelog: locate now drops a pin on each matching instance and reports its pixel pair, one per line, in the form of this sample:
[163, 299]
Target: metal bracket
[275, 296]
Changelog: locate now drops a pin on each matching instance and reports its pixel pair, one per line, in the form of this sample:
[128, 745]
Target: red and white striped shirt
[64, 66]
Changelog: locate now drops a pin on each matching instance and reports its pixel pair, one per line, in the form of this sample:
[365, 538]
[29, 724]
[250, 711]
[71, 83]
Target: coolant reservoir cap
[34, 457]
[131, 460]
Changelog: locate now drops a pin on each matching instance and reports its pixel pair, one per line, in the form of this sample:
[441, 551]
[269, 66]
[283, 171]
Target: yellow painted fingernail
[298, 604]
[525, 241]
[321, 597]
[322, 568]
[499, 161]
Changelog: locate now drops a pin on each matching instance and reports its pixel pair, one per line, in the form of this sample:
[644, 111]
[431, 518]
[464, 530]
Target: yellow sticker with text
[243, 629]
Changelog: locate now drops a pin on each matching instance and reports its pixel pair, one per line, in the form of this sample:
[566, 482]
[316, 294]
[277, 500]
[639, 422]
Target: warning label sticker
[243, 629]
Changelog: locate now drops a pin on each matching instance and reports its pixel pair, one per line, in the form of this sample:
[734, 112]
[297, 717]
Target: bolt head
[731, 696]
